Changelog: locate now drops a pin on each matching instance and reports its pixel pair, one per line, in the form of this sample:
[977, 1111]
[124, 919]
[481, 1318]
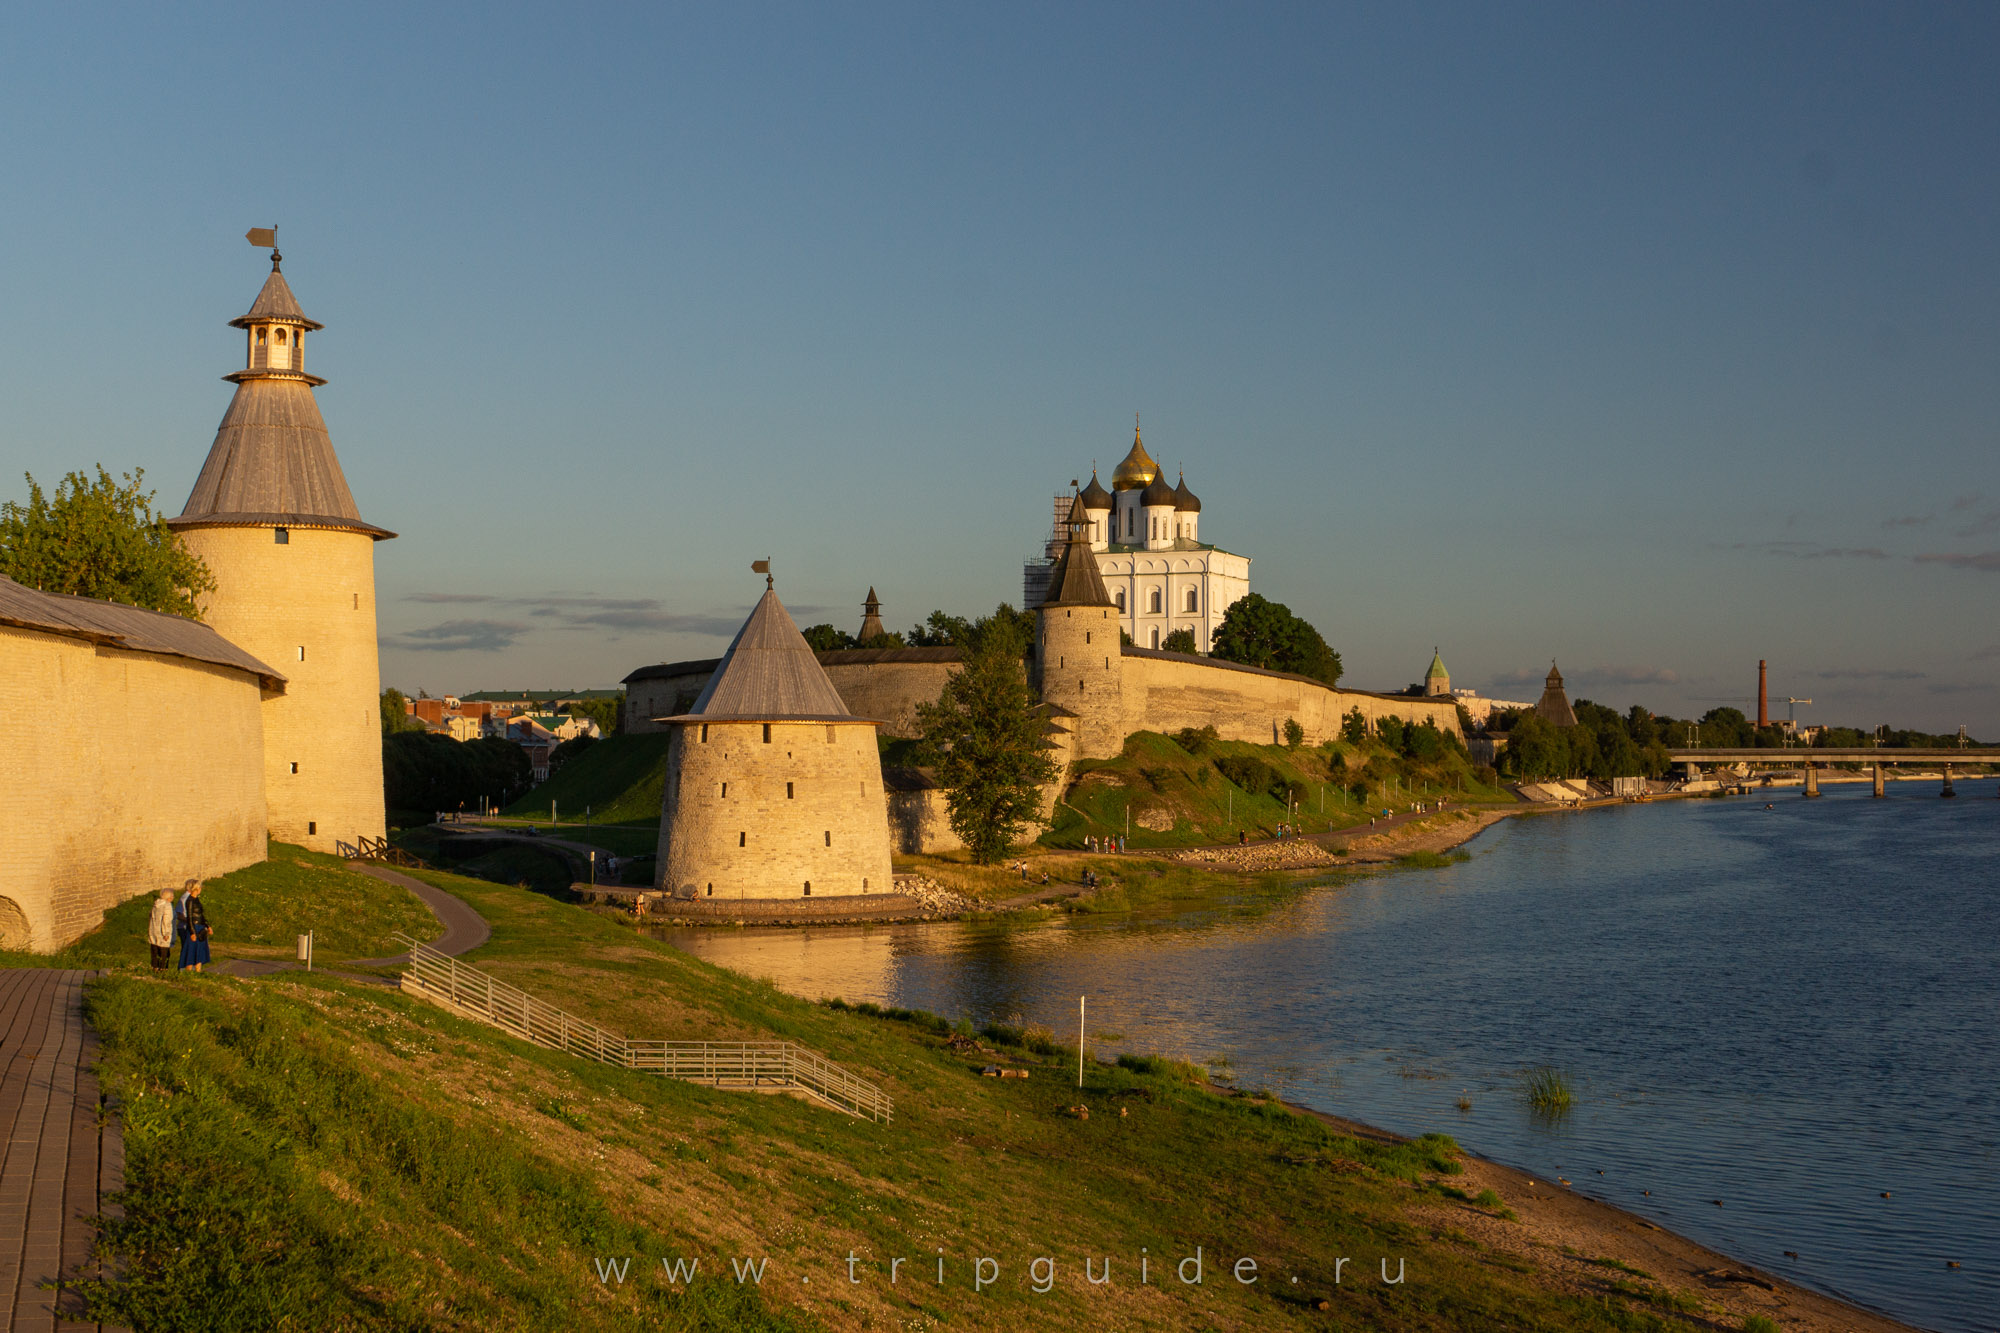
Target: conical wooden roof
[275, 302]
[1076, 580]
[769, 674]
[1437, 667]
[272, 463]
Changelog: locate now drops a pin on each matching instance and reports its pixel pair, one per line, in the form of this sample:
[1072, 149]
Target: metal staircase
[752, 1065]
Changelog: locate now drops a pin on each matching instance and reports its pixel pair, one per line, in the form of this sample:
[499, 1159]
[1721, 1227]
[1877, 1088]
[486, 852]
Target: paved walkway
[464, 931]
[60, 1156]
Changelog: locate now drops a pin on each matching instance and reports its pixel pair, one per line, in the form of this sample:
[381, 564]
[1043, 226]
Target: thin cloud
[1985, 561]
[1868, 673]
[661, 622]
[1587, 676]
[460, 636]
[1909, 521]
[1813, 550]
[1961, 687]
[449, 597]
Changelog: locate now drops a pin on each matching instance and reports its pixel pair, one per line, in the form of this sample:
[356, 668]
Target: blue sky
[1653, 339]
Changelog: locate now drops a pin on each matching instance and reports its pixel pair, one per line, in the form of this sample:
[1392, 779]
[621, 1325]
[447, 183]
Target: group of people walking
[1104, 846]
[185, 920]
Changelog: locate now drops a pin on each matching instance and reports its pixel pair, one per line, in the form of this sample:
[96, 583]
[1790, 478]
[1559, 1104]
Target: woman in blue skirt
[192, 923]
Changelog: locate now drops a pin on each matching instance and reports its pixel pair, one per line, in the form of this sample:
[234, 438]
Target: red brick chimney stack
[1763, 712]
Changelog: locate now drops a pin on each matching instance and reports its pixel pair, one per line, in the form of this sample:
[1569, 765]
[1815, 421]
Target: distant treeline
[1604, 744]
[423, 773]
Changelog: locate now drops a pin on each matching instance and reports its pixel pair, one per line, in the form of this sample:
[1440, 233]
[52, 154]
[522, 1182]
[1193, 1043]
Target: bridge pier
[1691, 772]
[1947, 793]
[1879, 792]
[1812, 779]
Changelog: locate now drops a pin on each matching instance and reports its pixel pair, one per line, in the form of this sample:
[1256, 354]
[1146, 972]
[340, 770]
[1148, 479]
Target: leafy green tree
[1261, 633]
[568, 750]
[886, 639]
[101, 539]
[826, 639]
[1180, 641]
[396, 713]
[940, 630]
[1354, 727]
[423, 772]
[986, 744]
[1295, 735]
[604, 712]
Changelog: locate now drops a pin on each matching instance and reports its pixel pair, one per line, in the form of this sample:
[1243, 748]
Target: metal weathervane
[763, 567]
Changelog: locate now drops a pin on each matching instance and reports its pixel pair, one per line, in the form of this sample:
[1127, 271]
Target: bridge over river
[1813, 760]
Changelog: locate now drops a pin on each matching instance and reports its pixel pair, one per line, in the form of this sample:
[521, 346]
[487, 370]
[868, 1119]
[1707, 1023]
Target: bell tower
[294, 567]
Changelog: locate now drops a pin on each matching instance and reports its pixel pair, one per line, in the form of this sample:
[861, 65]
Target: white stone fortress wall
[127, 772]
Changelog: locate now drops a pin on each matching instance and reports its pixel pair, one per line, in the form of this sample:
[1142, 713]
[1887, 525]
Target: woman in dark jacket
[194, 930]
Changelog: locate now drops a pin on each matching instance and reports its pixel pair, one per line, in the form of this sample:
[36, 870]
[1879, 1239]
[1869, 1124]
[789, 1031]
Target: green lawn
[261, 910]
[620, 779]
[306, 1153]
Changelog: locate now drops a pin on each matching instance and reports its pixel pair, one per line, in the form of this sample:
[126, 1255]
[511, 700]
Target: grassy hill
[620, 780]
[1192, 789]
[310, 1153]
[260, 911]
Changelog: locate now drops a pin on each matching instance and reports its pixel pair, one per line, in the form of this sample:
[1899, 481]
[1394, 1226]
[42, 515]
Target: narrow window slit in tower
[711, 890]
[829, 837]
[295, 765]
[743, 840]
[704, 733]
[302, 652]
[767, 733]
[788, 791]
[312, 828]
[282, 536]
[725, 791]
[809, 888]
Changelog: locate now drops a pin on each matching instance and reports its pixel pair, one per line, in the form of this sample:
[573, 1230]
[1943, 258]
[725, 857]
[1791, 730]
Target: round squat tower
[773, 789]
[294, 568]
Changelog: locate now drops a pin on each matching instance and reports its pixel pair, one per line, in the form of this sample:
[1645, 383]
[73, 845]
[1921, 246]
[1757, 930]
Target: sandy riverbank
[1567, 1237]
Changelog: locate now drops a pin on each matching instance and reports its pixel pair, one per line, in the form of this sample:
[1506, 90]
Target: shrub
[1250, 773]
[1196, 740]
[1295, 735]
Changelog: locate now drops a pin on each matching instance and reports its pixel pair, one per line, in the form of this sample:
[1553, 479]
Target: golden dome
[1138, 470]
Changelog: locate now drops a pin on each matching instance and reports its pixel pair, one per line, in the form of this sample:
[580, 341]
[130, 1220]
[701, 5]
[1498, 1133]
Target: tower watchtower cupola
[275, 332]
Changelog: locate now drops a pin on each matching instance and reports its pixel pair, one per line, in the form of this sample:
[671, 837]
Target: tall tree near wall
[1259, 632]
[101, 539]
[986, 745]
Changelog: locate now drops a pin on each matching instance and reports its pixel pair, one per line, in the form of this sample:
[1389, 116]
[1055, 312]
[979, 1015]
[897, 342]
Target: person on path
[194, 928]
[160, 930]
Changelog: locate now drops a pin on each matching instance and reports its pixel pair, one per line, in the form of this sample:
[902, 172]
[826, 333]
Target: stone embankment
[1291, 854]
[1435, 831]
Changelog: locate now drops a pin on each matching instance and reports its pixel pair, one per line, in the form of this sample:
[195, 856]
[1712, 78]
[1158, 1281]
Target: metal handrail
[719, 1064]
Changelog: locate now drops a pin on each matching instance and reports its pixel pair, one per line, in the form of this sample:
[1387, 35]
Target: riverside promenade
[62, 1155]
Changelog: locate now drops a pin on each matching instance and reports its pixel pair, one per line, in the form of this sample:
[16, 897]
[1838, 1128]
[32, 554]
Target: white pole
[1079, 1040]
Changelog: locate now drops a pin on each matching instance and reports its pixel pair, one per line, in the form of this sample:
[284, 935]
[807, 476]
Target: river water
[1791, 1010]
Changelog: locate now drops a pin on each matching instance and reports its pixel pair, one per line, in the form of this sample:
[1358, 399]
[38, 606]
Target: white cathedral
[1146, 536]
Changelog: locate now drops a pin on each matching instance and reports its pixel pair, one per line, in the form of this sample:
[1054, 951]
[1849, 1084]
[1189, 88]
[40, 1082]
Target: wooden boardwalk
[60, 1154]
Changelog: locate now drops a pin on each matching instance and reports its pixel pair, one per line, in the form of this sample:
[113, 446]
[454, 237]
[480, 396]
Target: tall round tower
[294, 568]
[1078, 662]
[773, 789]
